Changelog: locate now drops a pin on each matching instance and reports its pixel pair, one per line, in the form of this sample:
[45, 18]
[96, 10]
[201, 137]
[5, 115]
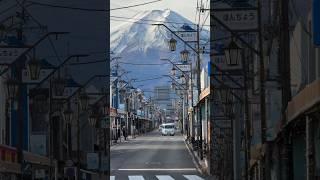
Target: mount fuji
[140, 46]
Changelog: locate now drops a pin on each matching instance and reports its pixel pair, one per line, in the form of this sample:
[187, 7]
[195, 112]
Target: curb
[202, 170]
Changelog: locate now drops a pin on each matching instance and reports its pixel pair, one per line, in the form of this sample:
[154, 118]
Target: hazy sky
[187, 8]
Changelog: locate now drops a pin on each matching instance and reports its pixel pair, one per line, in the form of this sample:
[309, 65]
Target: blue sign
[316, 22]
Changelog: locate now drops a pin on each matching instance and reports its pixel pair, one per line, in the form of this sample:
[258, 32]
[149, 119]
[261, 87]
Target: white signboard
[188, 36]
[238, 20]
[43, 74]
[184, 67]
[8, 55]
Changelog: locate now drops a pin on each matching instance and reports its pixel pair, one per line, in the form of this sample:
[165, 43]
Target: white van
[168, 129]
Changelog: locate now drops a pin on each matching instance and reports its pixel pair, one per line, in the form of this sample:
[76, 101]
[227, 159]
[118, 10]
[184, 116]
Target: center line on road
[160, 169]
[164, 177]
[136, 178]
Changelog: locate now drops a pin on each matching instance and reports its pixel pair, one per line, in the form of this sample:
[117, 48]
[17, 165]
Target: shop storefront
[9, 166]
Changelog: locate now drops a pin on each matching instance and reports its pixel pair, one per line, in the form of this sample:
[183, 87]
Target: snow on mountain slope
[143, 43]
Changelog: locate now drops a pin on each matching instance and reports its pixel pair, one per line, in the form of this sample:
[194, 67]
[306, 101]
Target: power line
[88, 9]
[141, 64]
[169, 22]
[150, 79]
[90, 62]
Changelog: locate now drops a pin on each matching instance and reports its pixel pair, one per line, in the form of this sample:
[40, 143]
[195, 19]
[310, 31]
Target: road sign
[9, 54]
[238, 20]
[184, 67]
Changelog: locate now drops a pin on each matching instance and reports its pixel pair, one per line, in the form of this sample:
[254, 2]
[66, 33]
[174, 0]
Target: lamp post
[172, 44]
[234, 56]
[184, 55]
[34, 68]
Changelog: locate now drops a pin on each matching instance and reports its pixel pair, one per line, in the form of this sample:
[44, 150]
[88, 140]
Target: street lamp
[68, 113]
[34, 68]
[184, 55]
[232, 54]
[58, 86]
[172, 44]
[173, 71]
[92, 120]
[183, 79]
[12, 88]
[84, 101]
[173, 86]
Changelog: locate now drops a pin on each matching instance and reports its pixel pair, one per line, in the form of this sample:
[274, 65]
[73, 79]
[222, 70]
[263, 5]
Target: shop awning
[8, 167]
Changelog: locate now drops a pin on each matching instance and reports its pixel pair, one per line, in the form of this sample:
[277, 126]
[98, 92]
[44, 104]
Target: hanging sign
[184, 67]
[238, 20]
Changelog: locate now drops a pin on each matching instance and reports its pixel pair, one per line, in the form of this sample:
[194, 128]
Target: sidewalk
[201, 165]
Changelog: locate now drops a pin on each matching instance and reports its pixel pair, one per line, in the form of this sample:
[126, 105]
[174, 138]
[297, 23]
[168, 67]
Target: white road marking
[159, 169]
[112, 177]
[136, 178]
[192, 177]
[164, 177]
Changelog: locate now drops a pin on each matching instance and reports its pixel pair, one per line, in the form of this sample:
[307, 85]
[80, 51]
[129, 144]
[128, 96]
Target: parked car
[160, 127]
[168, 129]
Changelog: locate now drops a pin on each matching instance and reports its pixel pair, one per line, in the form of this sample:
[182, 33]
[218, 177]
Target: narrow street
[153, 156]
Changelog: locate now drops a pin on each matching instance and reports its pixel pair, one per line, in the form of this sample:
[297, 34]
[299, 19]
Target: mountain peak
[139, 34]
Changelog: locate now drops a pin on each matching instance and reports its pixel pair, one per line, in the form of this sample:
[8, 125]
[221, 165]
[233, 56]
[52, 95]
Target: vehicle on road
[160, 127]
[168, 129]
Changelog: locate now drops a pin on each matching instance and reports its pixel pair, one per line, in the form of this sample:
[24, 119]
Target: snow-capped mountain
[141, 44]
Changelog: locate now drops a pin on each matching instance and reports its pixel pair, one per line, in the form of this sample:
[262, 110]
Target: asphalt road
[153, 157]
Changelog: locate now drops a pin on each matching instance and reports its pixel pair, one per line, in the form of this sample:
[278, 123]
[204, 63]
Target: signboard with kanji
[238, 20]
[184, 67]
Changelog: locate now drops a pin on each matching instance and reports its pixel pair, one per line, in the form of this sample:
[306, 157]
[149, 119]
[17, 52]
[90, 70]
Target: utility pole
[286, 86]
[199, 85]
[19, 143]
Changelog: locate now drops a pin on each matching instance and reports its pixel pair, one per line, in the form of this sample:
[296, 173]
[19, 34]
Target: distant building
[163, 98]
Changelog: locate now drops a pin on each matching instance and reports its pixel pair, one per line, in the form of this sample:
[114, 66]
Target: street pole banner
[9, 54]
